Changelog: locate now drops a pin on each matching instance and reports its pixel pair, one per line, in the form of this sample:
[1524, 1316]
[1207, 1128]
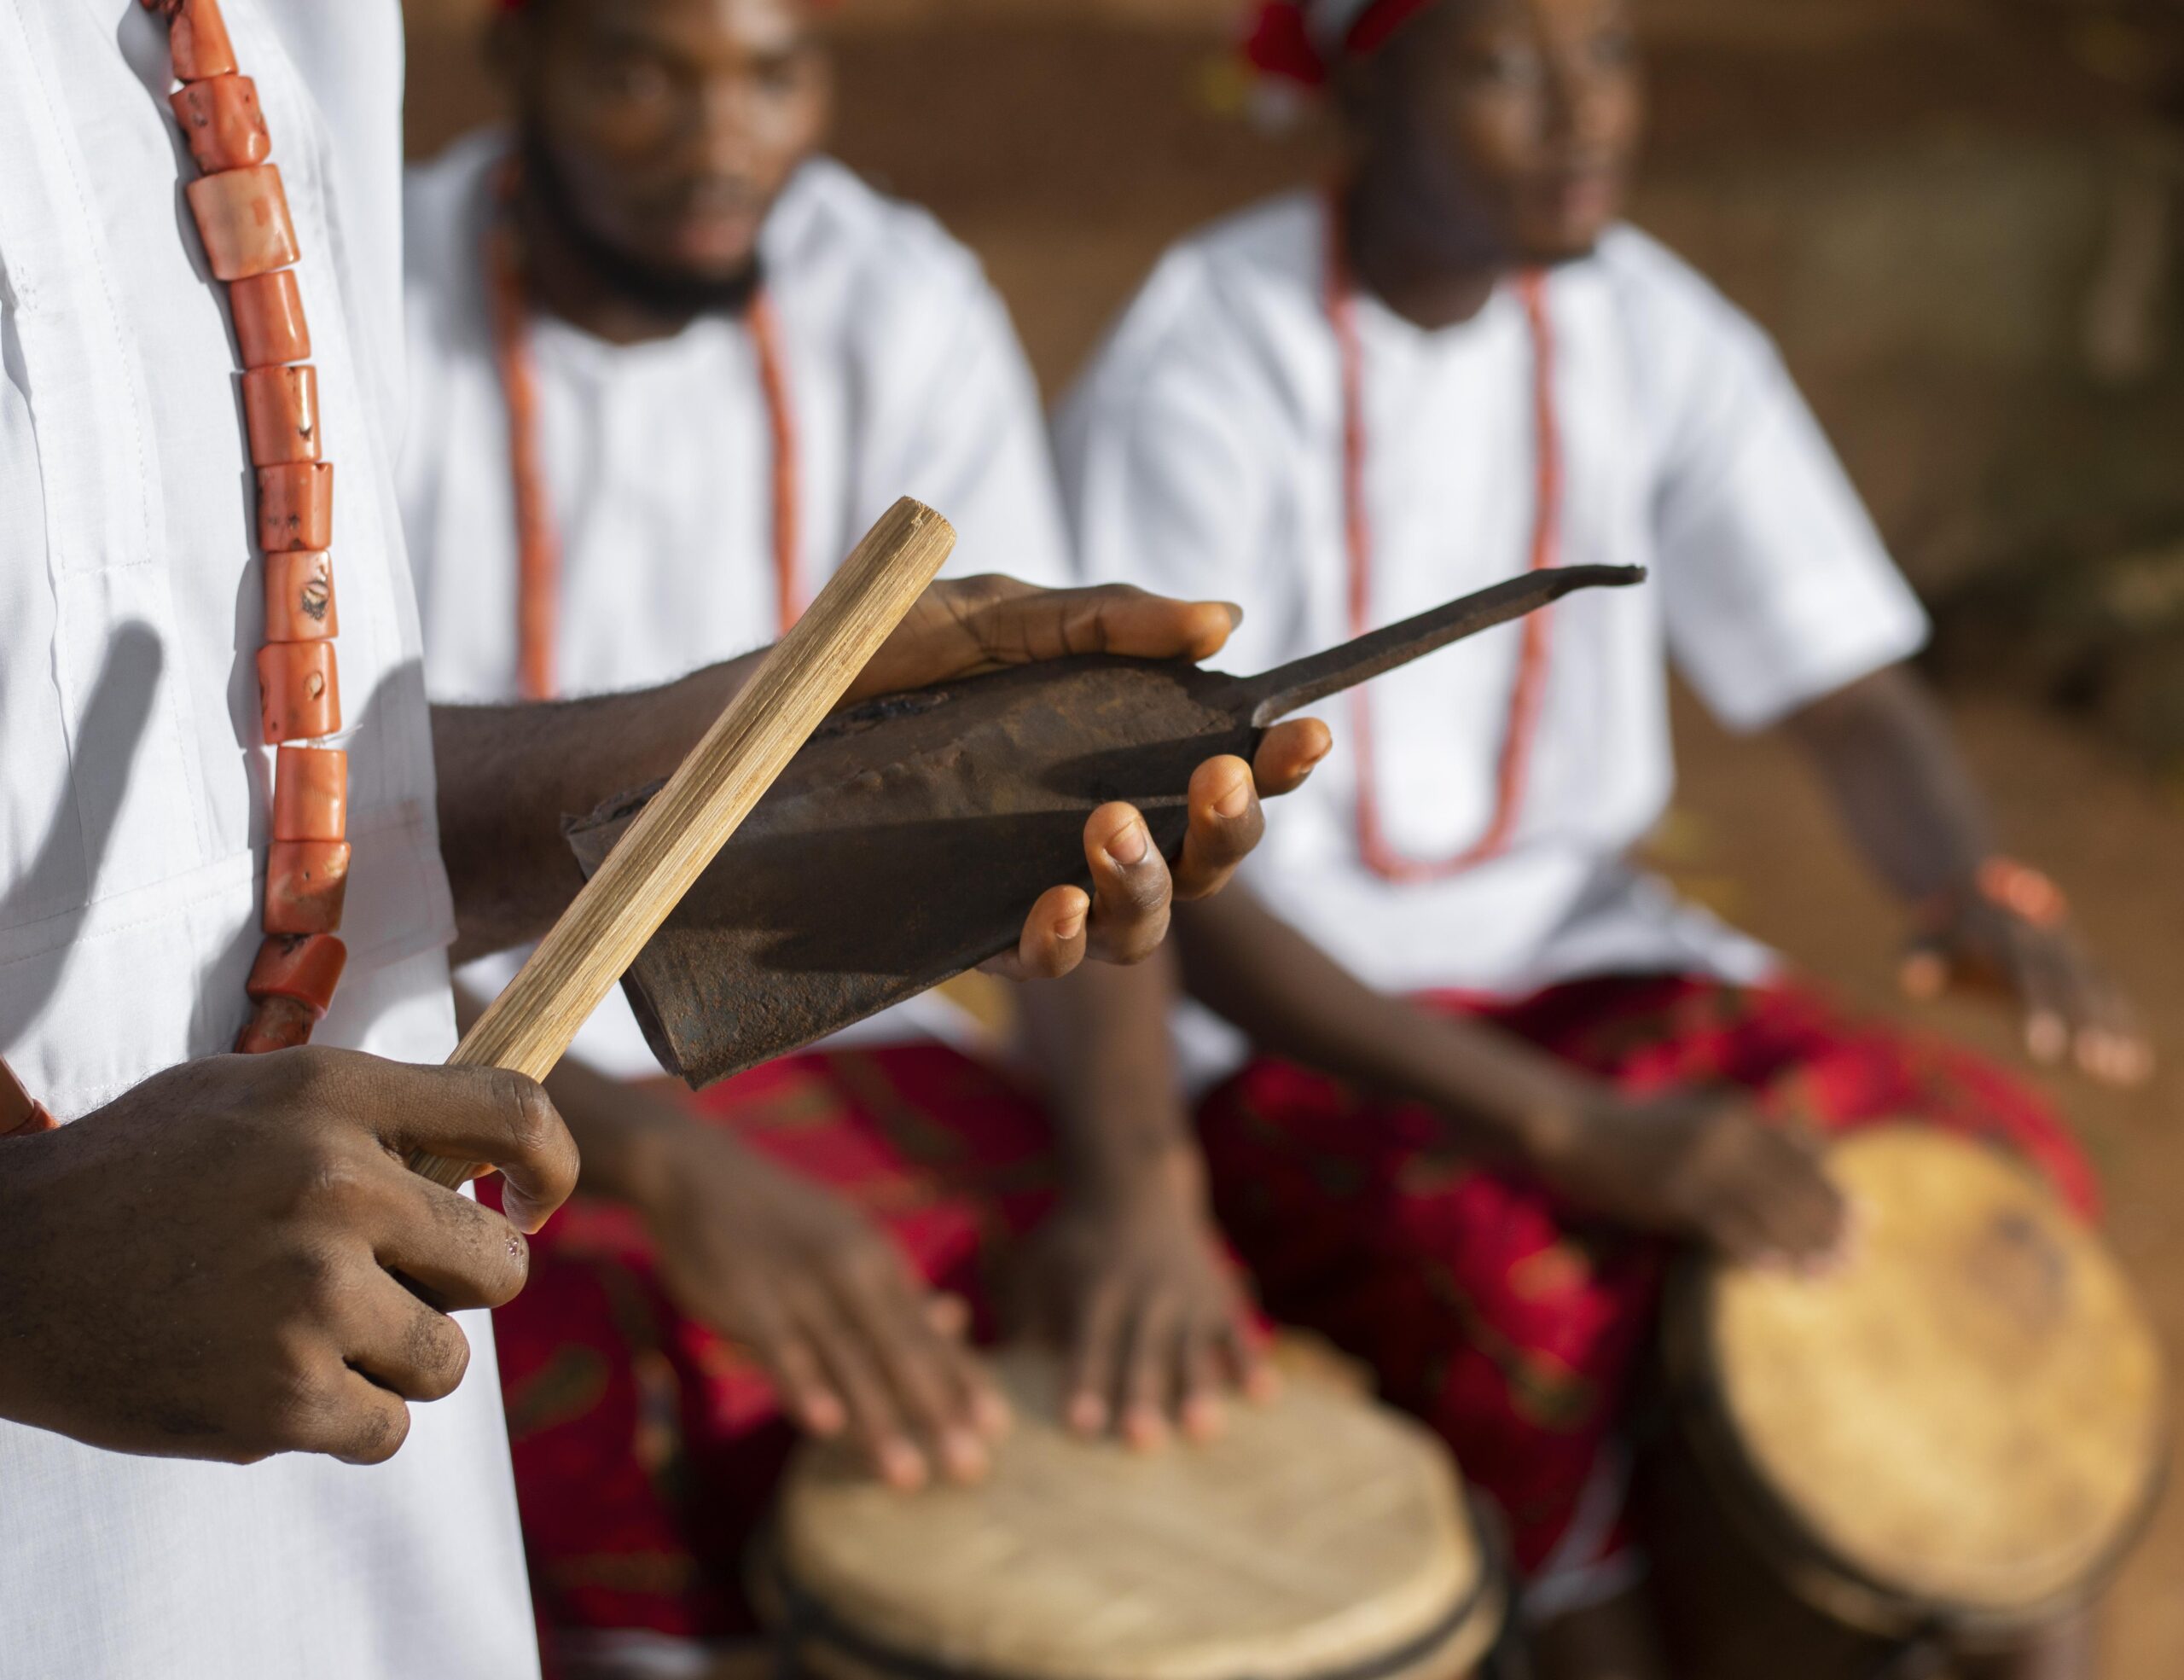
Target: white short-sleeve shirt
[905, 377]
[1202, 455]
[134, 822]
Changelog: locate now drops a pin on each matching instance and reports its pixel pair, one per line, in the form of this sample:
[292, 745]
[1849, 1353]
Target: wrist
[1166, 1173]
[1525, 1107]
[2001, 883]
[635, 1145]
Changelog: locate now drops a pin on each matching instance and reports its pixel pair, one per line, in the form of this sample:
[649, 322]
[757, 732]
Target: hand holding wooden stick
[529, 1026]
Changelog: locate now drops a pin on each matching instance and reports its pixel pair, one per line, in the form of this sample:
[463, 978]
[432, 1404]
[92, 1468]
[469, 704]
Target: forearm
[1502, 1099]
[1102, 1036]
[509, 773]
[1883, 751]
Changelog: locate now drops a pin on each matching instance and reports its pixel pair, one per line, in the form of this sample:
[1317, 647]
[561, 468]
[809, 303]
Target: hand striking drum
[1322, 1538]
[1954, 1439]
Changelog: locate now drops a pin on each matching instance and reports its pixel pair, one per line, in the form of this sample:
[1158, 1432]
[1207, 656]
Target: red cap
[1299, 40]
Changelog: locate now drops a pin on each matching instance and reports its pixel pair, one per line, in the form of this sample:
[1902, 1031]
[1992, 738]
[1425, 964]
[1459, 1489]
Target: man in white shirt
[667, 359]
[221, 1257]
[1339, 409]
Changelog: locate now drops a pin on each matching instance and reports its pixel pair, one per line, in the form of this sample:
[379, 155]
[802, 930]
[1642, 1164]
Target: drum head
[1968, 1424]
[1320, 1537]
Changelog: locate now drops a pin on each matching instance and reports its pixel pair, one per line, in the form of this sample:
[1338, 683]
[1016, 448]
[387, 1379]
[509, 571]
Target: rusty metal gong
[910, 837]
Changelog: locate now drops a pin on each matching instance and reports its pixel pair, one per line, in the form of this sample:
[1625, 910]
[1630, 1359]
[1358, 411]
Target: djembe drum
[1321, 1538]
[1953, 1440]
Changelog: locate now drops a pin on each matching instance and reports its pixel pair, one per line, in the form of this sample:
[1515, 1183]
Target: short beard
[659, 290]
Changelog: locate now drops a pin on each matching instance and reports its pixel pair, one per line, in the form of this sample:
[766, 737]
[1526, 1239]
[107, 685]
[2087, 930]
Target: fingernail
[1924, 976]
[822, 1416]
[1236, 801]
[2046, 1036]
[1088, 1414]
[1203, 1417]
[520, 1211]
[1235, 614]
[964, 1455]
[1129, 847]
[1145, 1429]
[1070, 928]
[992, 1413]
[902, 1466]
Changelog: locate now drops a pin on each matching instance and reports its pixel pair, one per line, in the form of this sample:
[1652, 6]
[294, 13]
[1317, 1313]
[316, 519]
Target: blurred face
[668, 127]
[1507, 128]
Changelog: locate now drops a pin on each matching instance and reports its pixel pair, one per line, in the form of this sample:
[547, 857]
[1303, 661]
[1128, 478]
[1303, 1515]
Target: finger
[1094, 1359]
[1924, 974]
[950, 1316]
[1289, 752]
[2110, 1045]
[2045, 991]
[1149, 1373]
[459, 1254]
[1198, 1405]
[390, 1336]
[1225, 823]
[873, 1422]
[354, 1419]
[1244, 1354]
[926, 1372]
[486, 1115]
[1809, 1211]
[1054, 938]
[1110, 619]
[799, 1375]
[1132, 892]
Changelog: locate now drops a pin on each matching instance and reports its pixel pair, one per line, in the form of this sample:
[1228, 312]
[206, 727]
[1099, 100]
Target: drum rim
[1835, 1584]
[797, 1615]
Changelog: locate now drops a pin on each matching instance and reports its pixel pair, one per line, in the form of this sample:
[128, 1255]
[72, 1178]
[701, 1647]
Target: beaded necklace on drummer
[538, 554]
[1513, 772]
[243, 218]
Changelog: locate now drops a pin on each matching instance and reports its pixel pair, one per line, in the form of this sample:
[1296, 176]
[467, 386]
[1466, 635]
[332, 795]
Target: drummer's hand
[2072, 1010]
[231, 1260]
[1705, 1166]
[1137, 1290]
[855, 1343]
[962, 628]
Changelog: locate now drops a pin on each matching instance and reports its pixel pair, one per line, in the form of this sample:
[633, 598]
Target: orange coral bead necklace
[538, 550]
[242, 217]
[1512, 773]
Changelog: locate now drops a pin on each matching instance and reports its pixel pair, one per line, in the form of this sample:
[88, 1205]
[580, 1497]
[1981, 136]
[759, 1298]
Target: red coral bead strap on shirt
[1513, 772]
[241, 212]
[538, 550]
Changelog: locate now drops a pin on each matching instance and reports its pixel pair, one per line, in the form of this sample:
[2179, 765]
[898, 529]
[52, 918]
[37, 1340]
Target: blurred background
[1963, 220]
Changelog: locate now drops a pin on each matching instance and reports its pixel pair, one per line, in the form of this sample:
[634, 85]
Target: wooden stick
[529, 1025]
